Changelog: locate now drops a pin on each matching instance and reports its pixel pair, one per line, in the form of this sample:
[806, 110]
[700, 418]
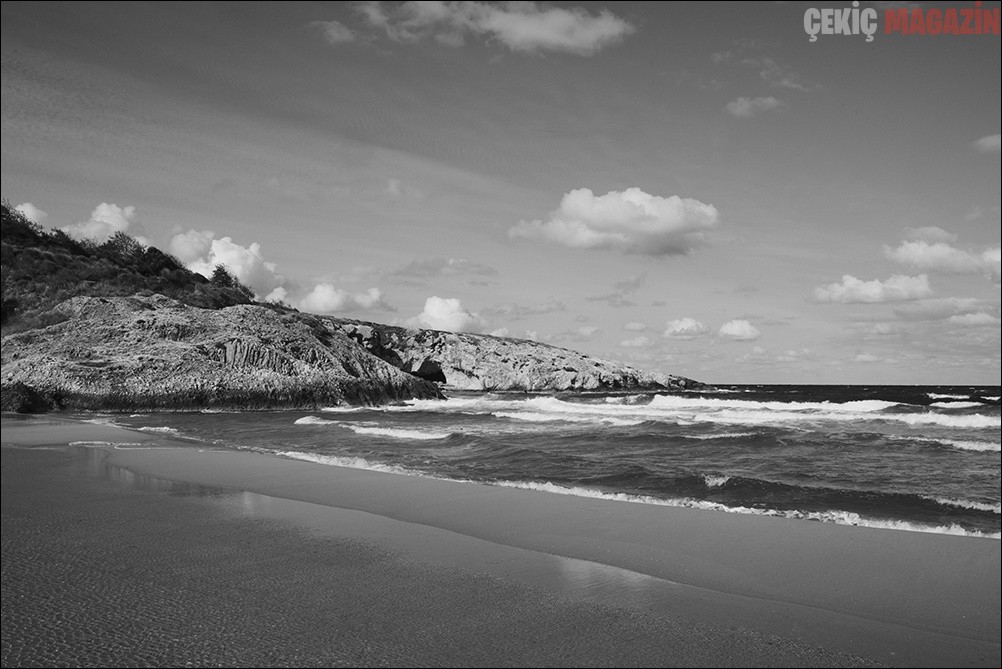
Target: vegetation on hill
[41, 268]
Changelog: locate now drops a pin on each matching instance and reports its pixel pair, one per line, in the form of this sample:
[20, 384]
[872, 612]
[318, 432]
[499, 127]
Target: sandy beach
[160, 553]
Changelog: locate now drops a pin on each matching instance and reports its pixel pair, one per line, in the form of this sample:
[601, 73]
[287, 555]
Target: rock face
[484, 362]
[136, 353]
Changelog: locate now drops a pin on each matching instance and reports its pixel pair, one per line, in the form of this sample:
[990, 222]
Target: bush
[41, 268]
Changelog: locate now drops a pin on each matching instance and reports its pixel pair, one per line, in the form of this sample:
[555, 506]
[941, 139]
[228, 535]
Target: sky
[694, 188]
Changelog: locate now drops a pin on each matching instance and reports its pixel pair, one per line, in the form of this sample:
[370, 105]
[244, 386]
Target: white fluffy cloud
[942, 257]
[635, 326]
[739, 330]
[327, 299]
[334, 32]
[898, 288]
[32, 213]
[444, 313]
[685, 328]
[977, 319]
[937, 309]
[521, 26]
[104, 222]
[929, 233]
[630, 221]
[635, 342]
[744, 107]
[201, 252]
[989, 144]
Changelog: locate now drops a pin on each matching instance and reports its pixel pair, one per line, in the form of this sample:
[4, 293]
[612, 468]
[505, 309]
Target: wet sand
[170, 556]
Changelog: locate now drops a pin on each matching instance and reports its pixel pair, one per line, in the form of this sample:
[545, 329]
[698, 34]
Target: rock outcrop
[156, 353]
[137, 353]
[484, 362]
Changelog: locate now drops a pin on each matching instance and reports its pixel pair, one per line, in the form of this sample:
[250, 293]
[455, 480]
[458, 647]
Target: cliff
[144, 353]
[483, 362]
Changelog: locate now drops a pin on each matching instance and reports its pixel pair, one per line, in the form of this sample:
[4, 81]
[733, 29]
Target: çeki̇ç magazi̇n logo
[971, 20]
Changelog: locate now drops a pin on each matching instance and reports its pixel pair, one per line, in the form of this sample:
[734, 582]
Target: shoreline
[890, 596]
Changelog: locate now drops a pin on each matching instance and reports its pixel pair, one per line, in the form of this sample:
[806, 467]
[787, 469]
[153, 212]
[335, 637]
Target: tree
[222, 277]
[123, 246]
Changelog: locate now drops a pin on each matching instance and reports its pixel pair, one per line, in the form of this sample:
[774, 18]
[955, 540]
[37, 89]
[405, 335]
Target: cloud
[883, 329]
[581, 334]
[630, 221]
[739, 330]
[635, 326]
[988, 144]
[621, 290]
[941, 257]
[423, 269]
[104, 222]
[326, 299]
[32, 213]
[635, 342]
[500, 332]
[334, 32]
[898, 288]
[516, 312]
[744, 107]
[685, 328]
[929, 233]
[866, 357]
[780, 75]
[937, 309]
[201, 252]
[521, 26]
[447, 314]
[977, 319]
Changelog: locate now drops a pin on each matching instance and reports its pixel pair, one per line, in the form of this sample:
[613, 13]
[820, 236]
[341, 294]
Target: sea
[911, 458]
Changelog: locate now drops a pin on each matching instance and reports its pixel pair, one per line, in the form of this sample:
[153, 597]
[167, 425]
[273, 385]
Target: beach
[160, 553]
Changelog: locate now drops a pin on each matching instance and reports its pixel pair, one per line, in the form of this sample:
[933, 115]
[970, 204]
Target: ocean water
[908, 458]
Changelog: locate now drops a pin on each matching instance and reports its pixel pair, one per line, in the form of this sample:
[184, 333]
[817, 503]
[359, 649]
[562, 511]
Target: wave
[729, 435]
[160, 430]
[775, 417]
[971, 445]
[831, 516]
[371, 429]
[626, 399]
[941, 396]
[688, 409]
[539, 417]
[349, 462]
[343, 409]
[313, 420]
[716, 481]
[396, 433]
[677, 402]
[971, 421]
[994, 507]
[955, 404]
[837, 516]
[105, 444]
[102, 421]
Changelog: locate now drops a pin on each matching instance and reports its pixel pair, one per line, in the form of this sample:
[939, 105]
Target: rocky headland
[154, 352]
[465, 361]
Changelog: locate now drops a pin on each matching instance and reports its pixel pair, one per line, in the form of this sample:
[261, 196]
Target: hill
[40, 268]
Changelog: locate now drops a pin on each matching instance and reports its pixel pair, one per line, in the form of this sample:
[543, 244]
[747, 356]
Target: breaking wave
[830, 516]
